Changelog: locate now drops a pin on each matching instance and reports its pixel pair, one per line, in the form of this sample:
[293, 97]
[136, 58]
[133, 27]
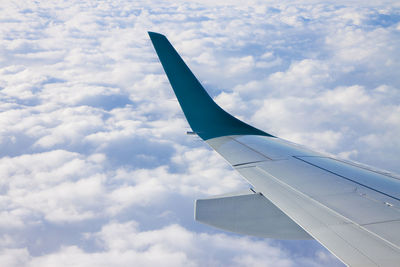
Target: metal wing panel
[383, 184]
[358, 203]
[351, 220]
[388, 230]
[235, 153]
[351, 243]
[274, 148]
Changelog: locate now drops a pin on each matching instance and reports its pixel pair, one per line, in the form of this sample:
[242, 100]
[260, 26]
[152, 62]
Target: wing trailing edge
[205, 117]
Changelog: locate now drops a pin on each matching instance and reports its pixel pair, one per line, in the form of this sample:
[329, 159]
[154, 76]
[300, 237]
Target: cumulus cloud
[95, 165]
[122, 244]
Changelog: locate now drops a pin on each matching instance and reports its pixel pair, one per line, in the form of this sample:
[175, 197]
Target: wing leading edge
[353, 211]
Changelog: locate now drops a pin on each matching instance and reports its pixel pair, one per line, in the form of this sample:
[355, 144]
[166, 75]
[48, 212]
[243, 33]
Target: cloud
[96, 167]
[123, 244]
[14, 257]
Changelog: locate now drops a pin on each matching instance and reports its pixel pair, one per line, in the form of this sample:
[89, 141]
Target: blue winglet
[205, 117]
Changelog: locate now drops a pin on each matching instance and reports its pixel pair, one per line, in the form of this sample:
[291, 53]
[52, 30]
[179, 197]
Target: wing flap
[250, 214]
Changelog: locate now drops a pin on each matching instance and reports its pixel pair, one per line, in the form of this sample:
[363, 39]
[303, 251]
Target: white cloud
[14, 257]
[302, 77]
[124, 244]
[346, 97]
[240, 65]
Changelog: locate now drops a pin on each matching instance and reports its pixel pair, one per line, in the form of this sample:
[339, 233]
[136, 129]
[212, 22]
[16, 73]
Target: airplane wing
[352, 210]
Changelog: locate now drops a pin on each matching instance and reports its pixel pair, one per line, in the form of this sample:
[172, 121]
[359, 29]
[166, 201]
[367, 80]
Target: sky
[96, 168]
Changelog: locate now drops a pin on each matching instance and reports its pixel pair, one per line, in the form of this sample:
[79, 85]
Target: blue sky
[95, 165]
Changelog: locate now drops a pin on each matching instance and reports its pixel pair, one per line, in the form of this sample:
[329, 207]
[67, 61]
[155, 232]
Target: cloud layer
[95, 165]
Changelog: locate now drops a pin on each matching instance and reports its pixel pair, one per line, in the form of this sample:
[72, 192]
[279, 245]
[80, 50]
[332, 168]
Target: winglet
[205, 117]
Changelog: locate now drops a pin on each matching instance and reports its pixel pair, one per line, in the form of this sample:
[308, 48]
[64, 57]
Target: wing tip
[154, 35]
[204, 116]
